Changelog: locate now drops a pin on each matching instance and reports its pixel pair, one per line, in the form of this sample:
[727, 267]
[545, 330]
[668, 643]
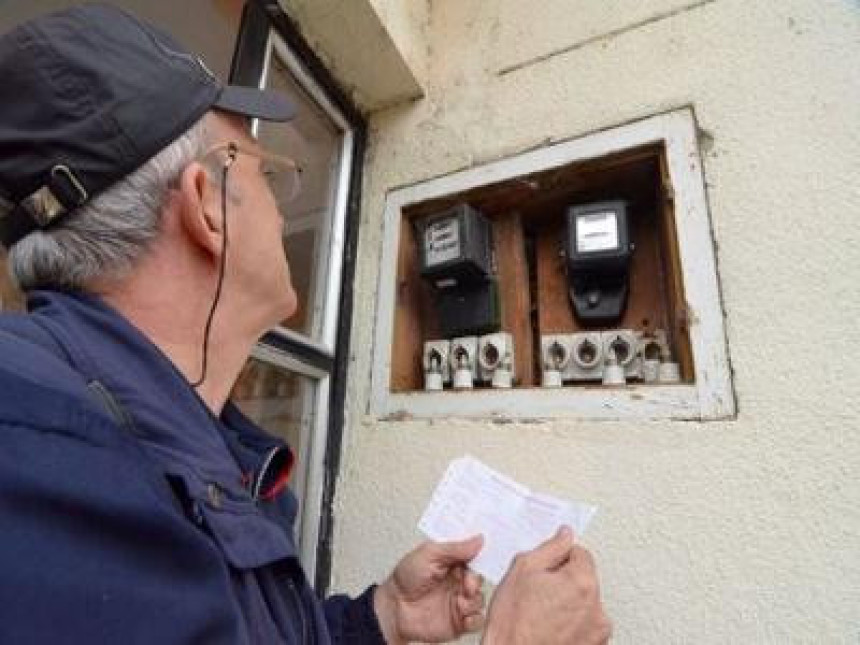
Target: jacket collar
[170, 417]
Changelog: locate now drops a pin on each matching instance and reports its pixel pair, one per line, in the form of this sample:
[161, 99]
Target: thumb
[555, 551]
[460, 551]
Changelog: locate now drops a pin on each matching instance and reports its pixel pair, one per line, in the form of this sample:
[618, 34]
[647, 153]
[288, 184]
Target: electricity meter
[456, 258]
[598, 250]
[455, 247]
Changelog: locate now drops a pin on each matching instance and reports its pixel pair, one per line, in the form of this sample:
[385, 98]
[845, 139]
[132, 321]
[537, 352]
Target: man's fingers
[468, 605]
[582, 557]
[472, 583]
[458, 552]
[474, 623]
[554, 552]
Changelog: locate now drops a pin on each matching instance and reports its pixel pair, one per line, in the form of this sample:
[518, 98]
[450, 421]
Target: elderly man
[138, 505]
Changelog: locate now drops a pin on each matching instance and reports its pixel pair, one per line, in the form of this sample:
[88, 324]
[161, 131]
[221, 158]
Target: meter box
[598, 249]
[456, 259]
[576, 264]
[593, 261]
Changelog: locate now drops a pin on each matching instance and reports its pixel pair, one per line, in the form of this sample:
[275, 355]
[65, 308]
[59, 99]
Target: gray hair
[109, 234]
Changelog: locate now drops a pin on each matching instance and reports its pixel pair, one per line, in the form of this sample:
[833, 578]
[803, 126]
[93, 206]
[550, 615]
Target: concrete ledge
[357, 41]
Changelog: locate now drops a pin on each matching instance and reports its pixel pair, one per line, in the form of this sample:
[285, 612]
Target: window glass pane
[314, 141]
[283, 403]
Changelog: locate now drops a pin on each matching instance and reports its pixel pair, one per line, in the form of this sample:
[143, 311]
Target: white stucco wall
[743, 531]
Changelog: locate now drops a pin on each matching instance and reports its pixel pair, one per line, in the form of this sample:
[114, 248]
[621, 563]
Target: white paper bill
[473, 498]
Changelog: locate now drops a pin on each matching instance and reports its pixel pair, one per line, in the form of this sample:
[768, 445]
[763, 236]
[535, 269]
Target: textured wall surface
[742, 531]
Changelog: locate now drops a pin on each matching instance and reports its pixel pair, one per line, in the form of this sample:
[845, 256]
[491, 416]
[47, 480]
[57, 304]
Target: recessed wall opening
[527, 219]
[577, 279]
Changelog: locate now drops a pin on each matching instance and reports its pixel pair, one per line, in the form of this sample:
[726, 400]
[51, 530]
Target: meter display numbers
[442, 241]
[597, 232]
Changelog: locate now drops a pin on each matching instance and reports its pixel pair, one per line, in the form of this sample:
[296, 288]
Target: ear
[200, 209]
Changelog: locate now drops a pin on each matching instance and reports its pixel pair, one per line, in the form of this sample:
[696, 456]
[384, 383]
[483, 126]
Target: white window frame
[324, 335]
[322, 341]
[710, 396]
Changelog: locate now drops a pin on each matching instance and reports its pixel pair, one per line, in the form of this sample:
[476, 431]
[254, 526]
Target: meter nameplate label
[597, 232]
[442, 241]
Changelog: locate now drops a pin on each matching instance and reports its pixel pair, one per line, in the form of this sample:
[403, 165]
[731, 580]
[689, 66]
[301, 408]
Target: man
[138, 505]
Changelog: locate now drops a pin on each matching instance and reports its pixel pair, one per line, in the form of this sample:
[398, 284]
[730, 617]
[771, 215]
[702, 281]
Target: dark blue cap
[89, 95]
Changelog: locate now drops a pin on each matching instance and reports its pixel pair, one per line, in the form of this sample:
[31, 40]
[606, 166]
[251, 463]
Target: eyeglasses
[282, 173]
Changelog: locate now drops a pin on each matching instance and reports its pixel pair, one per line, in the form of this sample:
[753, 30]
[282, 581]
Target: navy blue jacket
[138, 517]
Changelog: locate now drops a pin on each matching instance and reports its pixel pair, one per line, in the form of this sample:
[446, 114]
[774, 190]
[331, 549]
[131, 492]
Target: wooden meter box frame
[653, 164]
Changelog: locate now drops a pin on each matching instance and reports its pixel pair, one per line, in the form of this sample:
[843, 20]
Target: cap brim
[255, 103]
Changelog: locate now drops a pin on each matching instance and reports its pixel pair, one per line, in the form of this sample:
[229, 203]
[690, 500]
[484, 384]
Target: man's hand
[431, 597]
[549, 596]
